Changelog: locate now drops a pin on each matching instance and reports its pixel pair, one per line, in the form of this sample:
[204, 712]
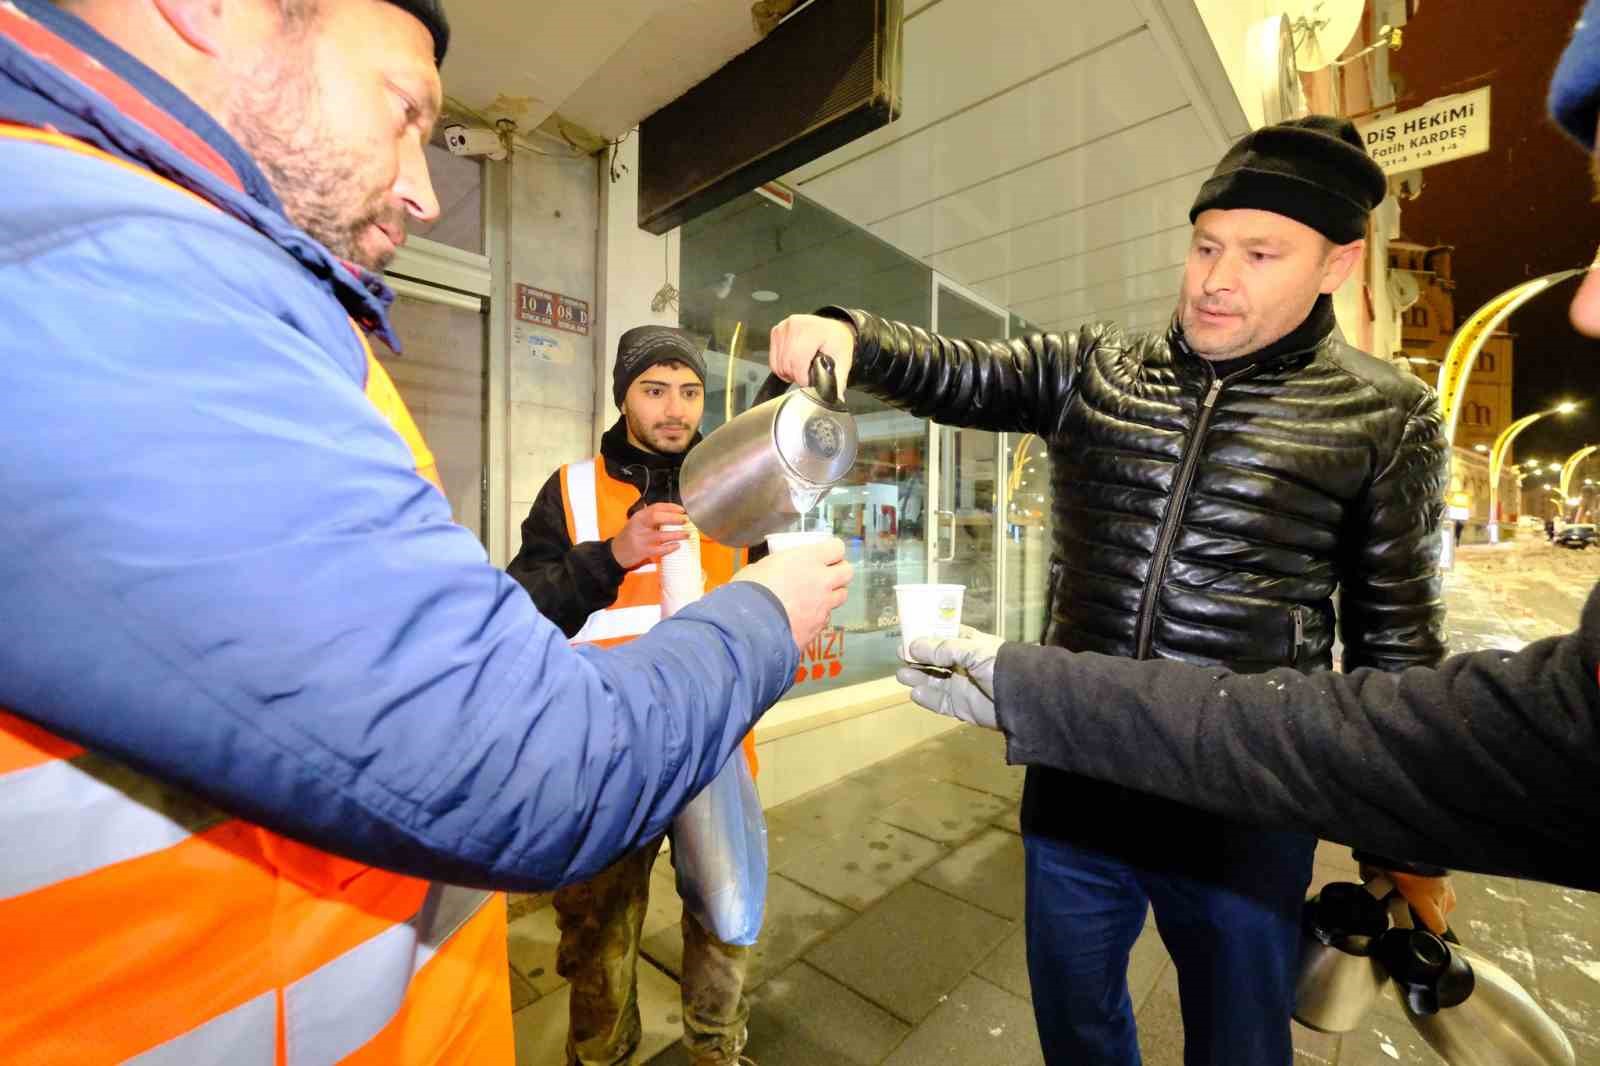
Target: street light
[1480, 447]
[1570, 467]
[1497, 458]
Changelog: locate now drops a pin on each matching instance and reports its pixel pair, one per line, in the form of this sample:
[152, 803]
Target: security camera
[473, 141]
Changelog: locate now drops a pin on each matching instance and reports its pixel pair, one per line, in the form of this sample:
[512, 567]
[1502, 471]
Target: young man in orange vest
[591, 546]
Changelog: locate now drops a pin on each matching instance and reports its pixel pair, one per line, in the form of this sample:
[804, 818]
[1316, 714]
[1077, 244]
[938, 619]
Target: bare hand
[797, 340]
[643, 538]
[808, 581]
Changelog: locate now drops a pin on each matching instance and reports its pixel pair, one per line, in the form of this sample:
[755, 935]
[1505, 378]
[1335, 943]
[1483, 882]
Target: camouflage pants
[601, 923]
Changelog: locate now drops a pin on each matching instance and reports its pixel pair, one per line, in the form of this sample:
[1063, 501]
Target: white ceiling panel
[962, 52]
[1166, 146]
[522, 64]
[911, 232]
[1050, 115]
[1161, 251]
[1072, 232]
[680, 46]
[1125, 292]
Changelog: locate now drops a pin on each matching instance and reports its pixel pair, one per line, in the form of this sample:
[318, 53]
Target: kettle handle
[824, 379]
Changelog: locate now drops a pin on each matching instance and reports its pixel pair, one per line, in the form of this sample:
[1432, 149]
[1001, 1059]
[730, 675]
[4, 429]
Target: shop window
[1029, 532]
[744, 267]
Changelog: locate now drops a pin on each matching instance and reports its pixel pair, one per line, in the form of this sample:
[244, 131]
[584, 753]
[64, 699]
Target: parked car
[1579, 535]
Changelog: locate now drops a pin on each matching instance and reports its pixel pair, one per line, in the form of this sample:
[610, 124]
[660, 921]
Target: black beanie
[643, 347]
[431, 14]
[1314, 170]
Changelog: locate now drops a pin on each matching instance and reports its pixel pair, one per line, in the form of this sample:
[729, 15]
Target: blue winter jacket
[218, 565]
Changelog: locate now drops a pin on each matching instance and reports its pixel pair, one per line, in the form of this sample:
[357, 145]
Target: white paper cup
[928, 610]
[799, 538]
[682, 580]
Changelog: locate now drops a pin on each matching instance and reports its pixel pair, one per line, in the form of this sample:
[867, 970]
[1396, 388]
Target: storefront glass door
[963, 546]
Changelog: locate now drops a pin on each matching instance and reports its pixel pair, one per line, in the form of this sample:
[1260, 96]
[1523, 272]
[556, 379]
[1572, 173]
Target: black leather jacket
[1196, 518]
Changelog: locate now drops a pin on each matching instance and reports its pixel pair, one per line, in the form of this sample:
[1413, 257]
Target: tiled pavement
[894, 929]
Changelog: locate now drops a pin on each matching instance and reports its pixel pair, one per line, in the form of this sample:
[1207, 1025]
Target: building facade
[1426, 328]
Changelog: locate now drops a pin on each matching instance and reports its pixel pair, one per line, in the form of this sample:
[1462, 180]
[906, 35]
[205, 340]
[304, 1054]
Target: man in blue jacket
[218, 563]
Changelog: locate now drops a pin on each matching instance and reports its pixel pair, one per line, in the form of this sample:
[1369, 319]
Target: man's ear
[1340, 261]
[198, 22]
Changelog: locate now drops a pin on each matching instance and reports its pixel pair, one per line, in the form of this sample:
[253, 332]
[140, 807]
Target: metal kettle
[759, 472]
[1468, 1009]
[1340, 974]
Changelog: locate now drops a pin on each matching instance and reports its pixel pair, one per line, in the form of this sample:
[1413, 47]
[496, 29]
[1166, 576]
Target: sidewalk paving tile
[1386, 1039]
[839, 808]
[987, 872]
[1007, 965]
[795, 920]
[910, 949]
[522, 991]
[1160, 1023]
[541, 1030]
[943, 811]
[863, 864]
[802, 1017]
[532, 949]
[1009, 819]
[976, 1024]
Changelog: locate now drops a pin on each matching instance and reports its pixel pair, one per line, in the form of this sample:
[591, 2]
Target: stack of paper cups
[682, 580]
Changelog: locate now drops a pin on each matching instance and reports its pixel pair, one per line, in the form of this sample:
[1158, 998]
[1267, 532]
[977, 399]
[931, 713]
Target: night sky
[1524, 208]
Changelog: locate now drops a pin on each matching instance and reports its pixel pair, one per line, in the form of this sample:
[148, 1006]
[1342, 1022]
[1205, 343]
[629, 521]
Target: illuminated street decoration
[1469, 340]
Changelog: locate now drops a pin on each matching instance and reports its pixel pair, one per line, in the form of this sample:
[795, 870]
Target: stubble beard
[273, 112]
[1244, 345]
[648, 436]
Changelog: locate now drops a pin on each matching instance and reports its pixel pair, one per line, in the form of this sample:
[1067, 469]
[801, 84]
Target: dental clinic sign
[1440, 131]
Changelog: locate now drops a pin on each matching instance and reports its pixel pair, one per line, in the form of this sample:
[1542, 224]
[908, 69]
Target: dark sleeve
[1019, 385]
[567, 582]
[1391, 605]
[1489, 763]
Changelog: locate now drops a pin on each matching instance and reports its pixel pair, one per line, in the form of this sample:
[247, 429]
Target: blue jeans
[1234, 938]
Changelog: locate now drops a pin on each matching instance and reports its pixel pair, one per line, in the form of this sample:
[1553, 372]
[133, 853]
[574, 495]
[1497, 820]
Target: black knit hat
[1314, 170]
[431, 14]
[643, 347]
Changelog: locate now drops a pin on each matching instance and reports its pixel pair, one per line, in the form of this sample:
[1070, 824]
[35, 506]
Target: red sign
[778, 193]
[543, 308]
[572, 315]
[823, 657]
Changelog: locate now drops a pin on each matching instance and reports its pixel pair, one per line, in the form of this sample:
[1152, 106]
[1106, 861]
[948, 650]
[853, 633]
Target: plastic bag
[719, 841]
[719, 850]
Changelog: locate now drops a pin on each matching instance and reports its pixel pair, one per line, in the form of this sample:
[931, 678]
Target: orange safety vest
[596, 506]
[140, 925]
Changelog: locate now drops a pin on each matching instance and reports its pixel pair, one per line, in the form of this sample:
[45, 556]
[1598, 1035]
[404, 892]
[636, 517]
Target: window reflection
[747, 265]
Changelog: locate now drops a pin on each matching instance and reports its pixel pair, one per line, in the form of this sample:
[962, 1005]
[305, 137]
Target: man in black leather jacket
[1490, 763]
[1214, 486]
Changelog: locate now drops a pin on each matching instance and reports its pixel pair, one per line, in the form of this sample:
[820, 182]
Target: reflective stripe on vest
[597, 507]
[336, 1009]
[638, 603]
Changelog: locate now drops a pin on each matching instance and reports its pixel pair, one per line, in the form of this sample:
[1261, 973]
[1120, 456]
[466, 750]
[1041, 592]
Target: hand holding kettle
[797, 340]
